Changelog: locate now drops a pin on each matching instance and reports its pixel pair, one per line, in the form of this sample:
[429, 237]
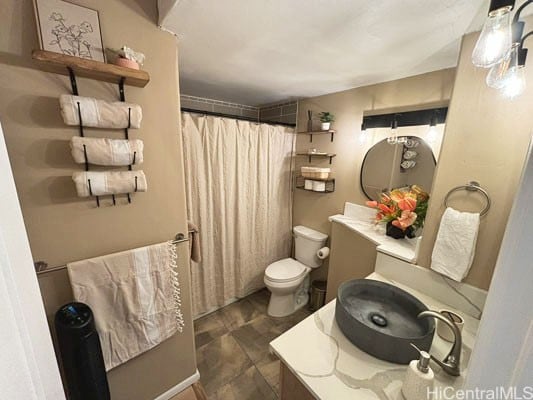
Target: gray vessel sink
[381, 320]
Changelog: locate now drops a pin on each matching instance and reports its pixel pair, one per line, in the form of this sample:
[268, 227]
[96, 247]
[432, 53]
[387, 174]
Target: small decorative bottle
[418, 382]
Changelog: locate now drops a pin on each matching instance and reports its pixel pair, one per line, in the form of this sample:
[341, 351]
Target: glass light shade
[494, 40]
[515, 82]
[497, 74]
[432, 135]
[363, 137]
[393, 137]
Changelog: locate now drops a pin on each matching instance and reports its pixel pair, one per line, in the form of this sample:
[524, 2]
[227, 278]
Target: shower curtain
[238, 179]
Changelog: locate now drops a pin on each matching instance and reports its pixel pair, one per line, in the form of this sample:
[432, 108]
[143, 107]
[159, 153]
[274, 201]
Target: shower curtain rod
[216, 114]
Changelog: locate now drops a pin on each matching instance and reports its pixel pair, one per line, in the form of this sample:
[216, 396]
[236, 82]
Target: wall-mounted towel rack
[41, 267]
[472, 186]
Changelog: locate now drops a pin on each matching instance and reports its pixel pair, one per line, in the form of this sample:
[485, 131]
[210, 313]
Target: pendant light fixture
[495, 38]
[514, 82]
[500, 47]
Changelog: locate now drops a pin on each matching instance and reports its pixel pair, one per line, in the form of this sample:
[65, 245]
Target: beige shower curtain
[239, 195]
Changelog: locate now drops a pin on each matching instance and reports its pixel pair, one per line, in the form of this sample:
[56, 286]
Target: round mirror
[390, 166]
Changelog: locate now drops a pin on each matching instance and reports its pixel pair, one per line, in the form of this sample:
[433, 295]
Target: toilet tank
[307, 243]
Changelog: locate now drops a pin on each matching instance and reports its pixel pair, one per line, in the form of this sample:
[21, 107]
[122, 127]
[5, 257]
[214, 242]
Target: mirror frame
[366, 155]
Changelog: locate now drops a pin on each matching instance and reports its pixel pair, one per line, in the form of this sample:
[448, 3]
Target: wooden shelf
[59, 64]
[329, 186]
[312, 133]
[311, 155]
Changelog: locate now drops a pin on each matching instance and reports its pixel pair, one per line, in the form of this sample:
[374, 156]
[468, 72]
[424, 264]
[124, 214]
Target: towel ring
[472, 186]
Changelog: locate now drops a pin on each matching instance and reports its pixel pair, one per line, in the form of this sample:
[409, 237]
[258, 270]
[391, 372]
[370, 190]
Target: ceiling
[261, 51]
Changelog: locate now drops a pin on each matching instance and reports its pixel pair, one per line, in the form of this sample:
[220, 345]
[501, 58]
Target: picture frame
[69, 29]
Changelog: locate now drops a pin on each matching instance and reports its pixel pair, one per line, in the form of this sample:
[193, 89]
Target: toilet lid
[285, 270]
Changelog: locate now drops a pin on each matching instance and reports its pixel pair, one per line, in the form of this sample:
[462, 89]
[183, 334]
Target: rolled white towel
[111, 152]
[108, 182]
[99, 113]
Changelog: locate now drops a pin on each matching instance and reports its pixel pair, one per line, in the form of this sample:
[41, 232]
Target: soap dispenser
[418, 382]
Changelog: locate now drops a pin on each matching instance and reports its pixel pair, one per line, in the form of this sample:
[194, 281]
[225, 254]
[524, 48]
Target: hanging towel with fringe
[135, 298]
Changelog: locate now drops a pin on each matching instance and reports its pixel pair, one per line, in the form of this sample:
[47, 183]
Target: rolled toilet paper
[323, 253]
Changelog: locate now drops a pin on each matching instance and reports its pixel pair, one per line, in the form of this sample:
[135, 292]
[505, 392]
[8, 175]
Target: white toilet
[288, 279]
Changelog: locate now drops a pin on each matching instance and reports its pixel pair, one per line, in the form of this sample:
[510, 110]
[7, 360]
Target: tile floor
[232, 349]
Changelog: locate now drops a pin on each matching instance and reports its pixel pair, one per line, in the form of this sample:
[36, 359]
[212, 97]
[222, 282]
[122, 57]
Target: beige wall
[313, 209]
[486, 140]
[60, 226]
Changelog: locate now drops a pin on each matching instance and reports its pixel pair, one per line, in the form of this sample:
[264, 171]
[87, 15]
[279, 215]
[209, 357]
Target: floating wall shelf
[312, 133]
[60, 64]
[311, 155]
[329, 184]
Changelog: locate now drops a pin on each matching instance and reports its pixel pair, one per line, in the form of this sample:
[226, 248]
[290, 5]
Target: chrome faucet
[452, 362]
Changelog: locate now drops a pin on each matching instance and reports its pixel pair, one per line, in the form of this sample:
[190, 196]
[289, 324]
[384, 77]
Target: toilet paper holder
[323, 253]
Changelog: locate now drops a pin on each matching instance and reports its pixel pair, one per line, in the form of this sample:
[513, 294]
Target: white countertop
[360, 219]
[331, 367]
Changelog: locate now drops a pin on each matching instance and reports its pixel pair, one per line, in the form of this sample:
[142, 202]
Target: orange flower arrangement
[403, 208]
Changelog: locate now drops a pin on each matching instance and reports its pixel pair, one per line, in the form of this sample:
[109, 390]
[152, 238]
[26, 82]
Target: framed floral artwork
[69, 29]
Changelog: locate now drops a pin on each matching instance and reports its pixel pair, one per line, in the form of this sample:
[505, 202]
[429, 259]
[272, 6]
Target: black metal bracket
[127, 134]
[130, 167]
[86, 158]
[121, 89]
[91, 193]
[73, 81]
[80, 119]
[122, 95]
[519, 9]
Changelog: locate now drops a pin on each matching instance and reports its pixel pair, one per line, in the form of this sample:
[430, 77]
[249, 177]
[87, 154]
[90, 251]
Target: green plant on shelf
[326, 117]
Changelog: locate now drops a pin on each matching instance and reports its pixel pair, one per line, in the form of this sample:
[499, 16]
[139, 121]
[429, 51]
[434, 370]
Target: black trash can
[318, 295]
[81, 353]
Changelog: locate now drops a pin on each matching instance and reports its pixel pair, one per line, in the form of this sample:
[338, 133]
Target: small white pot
[325, 126]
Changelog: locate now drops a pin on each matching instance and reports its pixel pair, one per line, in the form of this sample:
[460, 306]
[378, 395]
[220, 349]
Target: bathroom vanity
[355, 242]
[319, 362]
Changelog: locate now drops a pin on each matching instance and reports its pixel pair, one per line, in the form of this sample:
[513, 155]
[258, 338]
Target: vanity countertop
[331, 367]
[360, 220]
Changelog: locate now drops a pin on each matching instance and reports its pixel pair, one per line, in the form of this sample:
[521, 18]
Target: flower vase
[398, 233]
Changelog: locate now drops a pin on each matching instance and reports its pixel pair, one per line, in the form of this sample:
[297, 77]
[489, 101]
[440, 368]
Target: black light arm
[522, 52]
[519, 9]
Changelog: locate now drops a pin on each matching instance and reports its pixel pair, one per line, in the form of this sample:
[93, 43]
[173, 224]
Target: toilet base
[283, 305]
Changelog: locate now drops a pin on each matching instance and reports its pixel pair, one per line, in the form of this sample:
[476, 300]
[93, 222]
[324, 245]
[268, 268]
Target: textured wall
[60, 226]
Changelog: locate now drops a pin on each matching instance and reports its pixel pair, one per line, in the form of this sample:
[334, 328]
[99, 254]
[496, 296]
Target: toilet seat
[285, 270]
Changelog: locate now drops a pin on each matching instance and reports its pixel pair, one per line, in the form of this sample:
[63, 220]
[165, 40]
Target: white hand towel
[135, 298]
[108, 182]
[455, 246]
[110, 152]
[99, 113]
